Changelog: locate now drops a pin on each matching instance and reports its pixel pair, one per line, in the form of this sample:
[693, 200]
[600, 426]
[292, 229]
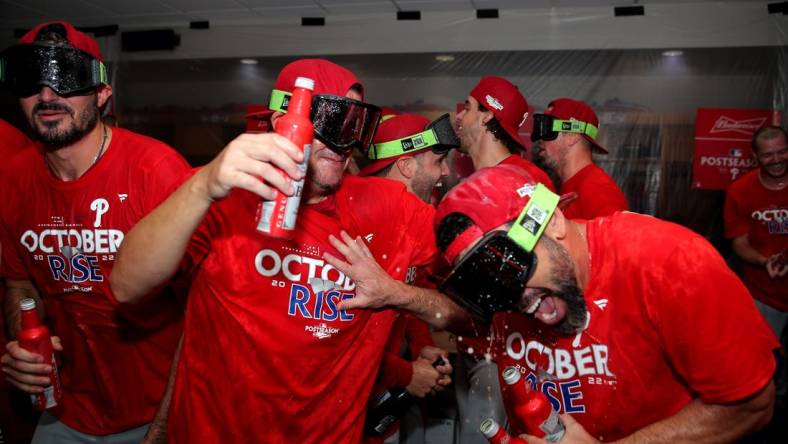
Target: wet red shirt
[597, 194]
[12, 141]
[63, 236]
[267, 356]
[537, 173]
[762, 214]
[668, 322]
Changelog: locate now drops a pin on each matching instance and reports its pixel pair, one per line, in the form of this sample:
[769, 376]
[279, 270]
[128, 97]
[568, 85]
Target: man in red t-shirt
[488, 129]
[632, 327]
[756, 219]
[267, 354]
[67, 203]
[16, 421]
[410, 149]
[488, 125]
[564, 136]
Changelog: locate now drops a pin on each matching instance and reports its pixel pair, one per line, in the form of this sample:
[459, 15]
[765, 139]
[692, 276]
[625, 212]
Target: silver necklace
[101, 147]
[99, 153]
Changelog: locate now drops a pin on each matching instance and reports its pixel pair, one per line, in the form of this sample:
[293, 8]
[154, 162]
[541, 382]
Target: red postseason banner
[256, 120]
[722, 144]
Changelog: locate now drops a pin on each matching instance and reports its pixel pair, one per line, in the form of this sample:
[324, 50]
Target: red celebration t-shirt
[64, 236]
[597, 194]
[267, 356]
[762, 215]
[668, 322]
[537, 173]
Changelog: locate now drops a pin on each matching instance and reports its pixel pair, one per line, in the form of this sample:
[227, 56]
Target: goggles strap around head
[387, 117]
[102, 72]
[398, 147]
[575, 126]
[532, 221]
[279, 100]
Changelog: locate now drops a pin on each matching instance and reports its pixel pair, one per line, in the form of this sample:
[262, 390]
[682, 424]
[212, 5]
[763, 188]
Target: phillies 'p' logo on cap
[525, 117]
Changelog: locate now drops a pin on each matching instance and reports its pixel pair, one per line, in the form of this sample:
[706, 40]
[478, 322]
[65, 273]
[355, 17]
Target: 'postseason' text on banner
[257, 119]
[722, 144]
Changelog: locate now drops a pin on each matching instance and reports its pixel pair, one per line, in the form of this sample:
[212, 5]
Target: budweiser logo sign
[746, 126]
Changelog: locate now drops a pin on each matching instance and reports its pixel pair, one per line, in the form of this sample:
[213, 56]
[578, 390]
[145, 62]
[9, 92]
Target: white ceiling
[141, 13]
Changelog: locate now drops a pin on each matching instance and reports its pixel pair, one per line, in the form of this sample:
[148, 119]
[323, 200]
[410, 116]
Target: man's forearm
[704, 423]
[434, 308]
[152, 250]
[743, 249]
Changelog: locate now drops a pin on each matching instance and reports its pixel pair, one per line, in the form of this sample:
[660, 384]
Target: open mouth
[776, 168]
[543, 305]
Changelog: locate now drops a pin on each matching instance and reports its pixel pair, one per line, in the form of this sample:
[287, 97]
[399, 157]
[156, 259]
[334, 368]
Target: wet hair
[494, 127]
[53, 33]
[767, 132]
[449, 228]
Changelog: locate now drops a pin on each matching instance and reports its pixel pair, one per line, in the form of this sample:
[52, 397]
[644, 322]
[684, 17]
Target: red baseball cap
[396, 127]
[490, 197]
[569, 109]
[76, 39]
[505, 101]
[329, 78]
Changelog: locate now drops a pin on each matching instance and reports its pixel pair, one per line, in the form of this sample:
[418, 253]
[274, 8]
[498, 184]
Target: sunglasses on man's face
[25, 69]
[340, 122]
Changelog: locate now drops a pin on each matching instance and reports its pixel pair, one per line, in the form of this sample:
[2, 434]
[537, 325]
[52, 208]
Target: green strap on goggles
[103, 77]
[575, 126]
[532, 221]
[279, 100]
[398, 147]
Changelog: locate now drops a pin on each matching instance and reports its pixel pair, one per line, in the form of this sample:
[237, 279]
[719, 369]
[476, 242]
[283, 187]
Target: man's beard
[540, 160]
[81, 124]
[318, 183]
[563, 282]
[422, 186]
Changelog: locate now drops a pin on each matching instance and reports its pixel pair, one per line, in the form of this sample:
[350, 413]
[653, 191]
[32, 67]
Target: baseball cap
[65, 30]
[397, 127]
[329, 78]
[505, 101]
[490, 197]
[570, 109]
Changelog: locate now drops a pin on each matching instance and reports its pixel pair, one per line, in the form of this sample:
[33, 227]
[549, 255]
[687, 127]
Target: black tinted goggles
[24, 69]
[340, 122]
[547, 128]
[493, 275]
[439, 136]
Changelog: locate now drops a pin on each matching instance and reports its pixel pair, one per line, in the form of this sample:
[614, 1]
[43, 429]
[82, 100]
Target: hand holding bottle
[29, 363]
